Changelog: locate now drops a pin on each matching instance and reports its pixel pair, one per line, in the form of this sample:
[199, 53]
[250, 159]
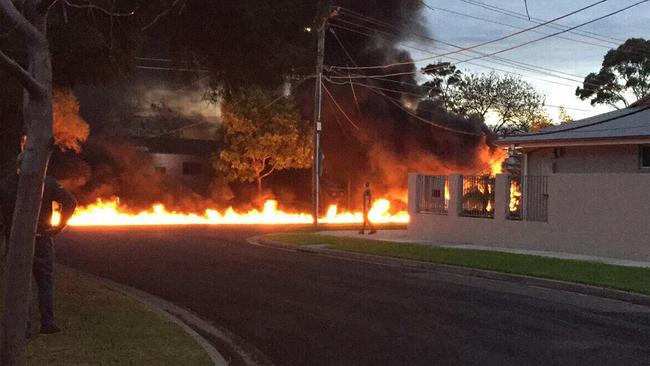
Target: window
[192, 168]
[161, 170]
[644, 156]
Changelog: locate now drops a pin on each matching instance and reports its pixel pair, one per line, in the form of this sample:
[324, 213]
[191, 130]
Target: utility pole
[316, 168]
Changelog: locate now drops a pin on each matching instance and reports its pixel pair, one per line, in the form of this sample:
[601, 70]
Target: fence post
[455, 195]
[501, 196]
[412, 193]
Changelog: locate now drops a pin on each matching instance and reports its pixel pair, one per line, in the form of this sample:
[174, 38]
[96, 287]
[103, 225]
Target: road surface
[305, 309]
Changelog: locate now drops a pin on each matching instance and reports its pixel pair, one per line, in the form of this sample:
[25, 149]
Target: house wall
[591, 214]
[585, 159]
[173, 166]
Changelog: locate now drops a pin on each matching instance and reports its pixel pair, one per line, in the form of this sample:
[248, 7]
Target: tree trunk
[37, 111]
[259, 188]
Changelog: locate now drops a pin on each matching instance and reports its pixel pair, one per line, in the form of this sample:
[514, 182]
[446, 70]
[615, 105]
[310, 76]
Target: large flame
[111, 213]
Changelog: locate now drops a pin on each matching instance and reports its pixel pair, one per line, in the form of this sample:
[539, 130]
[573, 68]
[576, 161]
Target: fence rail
[478, 196]
[432, 194]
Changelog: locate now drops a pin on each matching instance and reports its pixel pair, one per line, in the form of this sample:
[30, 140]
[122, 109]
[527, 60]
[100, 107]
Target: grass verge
[102, 327]
[584, 272]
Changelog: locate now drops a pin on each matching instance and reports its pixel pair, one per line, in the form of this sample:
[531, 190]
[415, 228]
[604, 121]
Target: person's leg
[363, 227]
[44, 276]
[371, 227]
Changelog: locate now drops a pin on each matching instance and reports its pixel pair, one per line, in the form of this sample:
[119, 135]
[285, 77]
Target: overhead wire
[397, 104]
[339, 108]
[508, 48]
[500, 60]
[517, 15]
[505, 63]
[492, 21]
[498, 39]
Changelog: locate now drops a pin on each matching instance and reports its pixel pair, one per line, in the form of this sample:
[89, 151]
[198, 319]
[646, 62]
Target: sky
[576, 56]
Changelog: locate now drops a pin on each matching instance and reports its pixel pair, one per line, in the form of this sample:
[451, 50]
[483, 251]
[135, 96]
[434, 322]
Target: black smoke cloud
[393, 136]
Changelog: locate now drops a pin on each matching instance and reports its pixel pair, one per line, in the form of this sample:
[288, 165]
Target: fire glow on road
[110, 213]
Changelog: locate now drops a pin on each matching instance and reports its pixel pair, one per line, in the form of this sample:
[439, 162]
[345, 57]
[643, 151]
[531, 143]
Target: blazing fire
[515, 196]
[111, 213]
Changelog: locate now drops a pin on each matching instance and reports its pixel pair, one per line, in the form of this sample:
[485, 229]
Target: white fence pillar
[455, 195]
[501, 196]
[412, 194]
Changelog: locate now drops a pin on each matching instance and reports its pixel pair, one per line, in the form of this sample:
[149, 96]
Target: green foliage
[261, 135]
[623, 78]
[442, 88]
[514, 103]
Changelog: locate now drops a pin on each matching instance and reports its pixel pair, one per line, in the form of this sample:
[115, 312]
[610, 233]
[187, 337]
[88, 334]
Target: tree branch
[22, 25]
[162, 15]
[24, 77]
[96, 7]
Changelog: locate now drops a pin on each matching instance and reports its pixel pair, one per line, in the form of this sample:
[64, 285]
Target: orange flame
[515, 196]
[110, 213]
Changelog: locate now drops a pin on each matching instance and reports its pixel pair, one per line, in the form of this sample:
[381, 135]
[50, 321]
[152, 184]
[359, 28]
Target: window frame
[641, 156]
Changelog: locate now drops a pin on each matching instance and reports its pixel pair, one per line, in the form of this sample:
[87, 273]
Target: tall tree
[36, 79]
[623, 78]
[511, 104]
[443, 85]
[261, 135]
[29, 62]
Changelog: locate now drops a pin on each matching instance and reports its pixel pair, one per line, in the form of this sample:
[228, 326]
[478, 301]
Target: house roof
[628, 125]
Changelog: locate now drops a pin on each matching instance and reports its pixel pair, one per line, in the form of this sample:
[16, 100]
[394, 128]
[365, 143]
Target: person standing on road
[367, 202]
[43, 265]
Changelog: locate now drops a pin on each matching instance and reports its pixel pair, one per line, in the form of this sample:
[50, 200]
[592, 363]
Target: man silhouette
[367, 202]
[43, 266]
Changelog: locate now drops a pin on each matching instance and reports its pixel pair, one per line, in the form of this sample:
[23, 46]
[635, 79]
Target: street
[304, 309]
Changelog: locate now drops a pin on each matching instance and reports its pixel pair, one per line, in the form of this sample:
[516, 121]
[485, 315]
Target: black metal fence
[432, 194]
[478, 196]
[536, 198]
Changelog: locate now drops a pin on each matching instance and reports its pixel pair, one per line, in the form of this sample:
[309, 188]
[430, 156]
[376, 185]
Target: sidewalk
[401, 236]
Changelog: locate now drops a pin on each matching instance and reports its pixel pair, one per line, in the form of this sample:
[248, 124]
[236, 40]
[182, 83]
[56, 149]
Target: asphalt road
[305, 309]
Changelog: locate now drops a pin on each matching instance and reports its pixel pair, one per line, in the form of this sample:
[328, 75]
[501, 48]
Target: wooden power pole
[316, 165]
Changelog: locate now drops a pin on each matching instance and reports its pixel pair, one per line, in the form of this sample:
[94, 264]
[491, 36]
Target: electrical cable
[505, 49]
[478, 45]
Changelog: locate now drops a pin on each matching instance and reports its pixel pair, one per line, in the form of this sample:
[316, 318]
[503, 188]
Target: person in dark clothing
[43, 266]
[367, 202]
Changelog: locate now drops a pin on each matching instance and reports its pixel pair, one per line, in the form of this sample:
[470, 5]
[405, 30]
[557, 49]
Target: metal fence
[432, 194]
[536, 197]
[478, 196]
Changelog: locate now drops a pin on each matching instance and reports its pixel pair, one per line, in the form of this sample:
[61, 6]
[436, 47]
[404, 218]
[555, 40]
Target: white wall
[592, 214]
[585, 159]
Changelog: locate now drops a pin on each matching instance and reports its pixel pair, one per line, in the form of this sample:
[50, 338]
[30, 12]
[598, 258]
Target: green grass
[102, 327]
[590, 273]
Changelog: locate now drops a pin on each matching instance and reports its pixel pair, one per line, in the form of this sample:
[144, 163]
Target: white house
[584, 189]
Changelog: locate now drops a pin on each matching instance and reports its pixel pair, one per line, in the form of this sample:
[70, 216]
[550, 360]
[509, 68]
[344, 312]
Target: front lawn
[102, 327]
[590, 273]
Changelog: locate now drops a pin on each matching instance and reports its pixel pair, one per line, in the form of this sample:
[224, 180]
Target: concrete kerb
[188, 321]
[619, 295]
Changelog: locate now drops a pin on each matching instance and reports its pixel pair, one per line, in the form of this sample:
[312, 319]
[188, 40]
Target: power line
[398, 105]
[496, 39]
[505, 62]
[171, 69]
[339, 107]
[435, 8]
[508, 48]
[501, 60]
[494, 8]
